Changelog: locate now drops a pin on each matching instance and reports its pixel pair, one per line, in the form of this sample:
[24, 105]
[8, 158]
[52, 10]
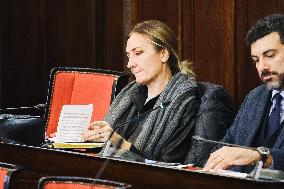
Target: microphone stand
[106, 162]
[257, 169]
[199, 138]
[107, 145]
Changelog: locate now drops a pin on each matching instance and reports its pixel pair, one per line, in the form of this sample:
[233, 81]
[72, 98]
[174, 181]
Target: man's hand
[228, 156]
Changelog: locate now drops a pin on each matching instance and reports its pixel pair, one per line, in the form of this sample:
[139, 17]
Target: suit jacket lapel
[259, 107]
[280, 139]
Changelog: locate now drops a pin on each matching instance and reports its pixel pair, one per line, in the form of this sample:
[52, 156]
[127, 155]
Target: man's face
[268, 56]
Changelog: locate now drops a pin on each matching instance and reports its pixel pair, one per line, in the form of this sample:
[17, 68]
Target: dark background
[37, 35]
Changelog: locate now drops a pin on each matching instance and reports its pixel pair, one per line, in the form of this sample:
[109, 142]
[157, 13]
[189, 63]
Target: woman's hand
[99, 131]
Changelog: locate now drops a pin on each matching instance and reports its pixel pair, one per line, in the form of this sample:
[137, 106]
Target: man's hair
[265, 26]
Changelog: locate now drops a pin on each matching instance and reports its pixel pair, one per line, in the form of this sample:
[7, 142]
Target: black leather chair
[22, 125]
[215, 116]
[28, 125]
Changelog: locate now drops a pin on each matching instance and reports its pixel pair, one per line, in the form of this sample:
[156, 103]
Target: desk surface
[36, 162]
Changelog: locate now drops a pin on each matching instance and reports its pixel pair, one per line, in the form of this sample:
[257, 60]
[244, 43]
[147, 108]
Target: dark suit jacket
[249, 119]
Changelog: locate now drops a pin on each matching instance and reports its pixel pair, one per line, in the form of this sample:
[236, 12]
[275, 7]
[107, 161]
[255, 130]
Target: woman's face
[144, 60]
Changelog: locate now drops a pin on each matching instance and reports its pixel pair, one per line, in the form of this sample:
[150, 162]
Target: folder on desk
[76, 145]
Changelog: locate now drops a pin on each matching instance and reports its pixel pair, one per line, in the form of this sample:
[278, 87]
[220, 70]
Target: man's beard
[276, 85]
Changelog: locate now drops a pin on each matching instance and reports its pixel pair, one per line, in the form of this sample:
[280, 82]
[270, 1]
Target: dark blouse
[137, 126]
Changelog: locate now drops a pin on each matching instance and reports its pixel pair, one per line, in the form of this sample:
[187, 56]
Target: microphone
[161, 106]
[108, 143]
[258, 167]
[199, 138]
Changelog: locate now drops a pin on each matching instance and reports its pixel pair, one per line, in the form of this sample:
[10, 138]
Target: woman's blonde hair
[162, 36]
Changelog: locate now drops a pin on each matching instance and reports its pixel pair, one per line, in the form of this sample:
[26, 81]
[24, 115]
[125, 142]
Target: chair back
[214, 117]
[6, 172]
[69, 85]
[69, 182]
[22, 125]
[22, 129]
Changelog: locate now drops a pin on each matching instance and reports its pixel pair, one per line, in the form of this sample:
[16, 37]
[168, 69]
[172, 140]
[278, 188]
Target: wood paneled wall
[37, 35]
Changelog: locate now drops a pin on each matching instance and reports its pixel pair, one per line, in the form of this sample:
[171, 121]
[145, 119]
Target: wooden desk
[36, 162]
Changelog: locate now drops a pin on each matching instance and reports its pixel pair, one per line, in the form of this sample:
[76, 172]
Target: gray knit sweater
[166, 133]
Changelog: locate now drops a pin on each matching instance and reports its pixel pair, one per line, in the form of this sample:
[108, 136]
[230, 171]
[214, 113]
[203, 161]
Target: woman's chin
[140, 82]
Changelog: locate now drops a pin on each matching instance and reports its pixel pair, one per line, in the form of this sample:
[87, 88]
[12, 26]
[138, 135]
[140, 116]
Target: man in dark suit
[259, 123]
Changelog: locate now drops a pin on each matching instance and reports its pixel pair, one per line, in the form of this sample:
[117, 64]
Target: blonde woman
[160, 76]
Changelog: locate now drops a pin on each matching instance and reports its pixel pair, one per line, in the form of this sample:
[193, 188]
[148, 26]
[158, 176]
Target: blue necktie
[274, 118]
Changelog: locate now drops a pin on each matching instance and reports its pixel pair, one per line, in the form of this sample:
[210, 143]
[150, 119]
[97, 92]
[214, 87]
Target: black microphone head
[163, 104]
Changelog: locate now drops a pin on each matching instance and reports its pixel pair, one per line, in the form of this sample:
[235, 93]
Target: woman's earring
[164, 59]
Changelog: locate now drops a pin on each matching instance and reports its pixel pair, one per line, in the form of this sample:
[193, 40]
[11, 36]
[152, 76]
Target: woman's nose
[130, 63]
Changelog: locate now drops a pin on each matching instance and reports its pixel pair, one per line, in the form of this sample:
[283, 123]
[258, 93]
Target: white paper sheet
[73, 122]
